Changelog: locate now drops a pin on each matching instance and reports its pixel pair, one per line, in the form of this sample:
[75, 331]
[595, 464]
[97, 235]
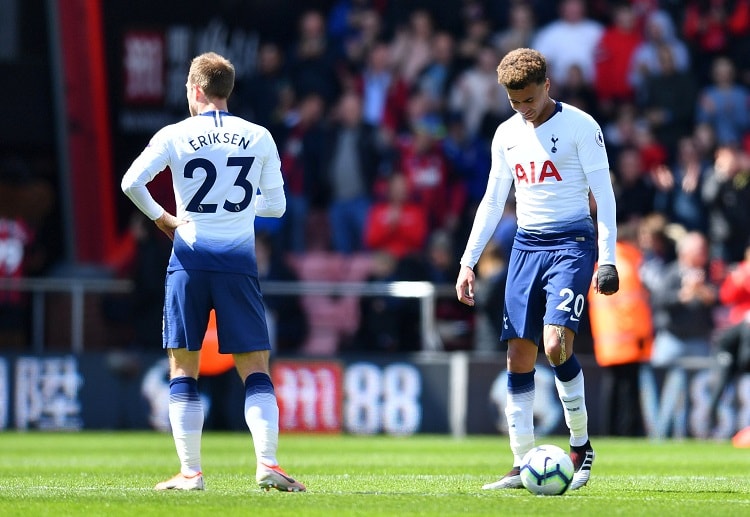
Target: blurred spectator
[411, 46]
[312, 63]
[475, 35]
[15, 239]
[492, 271]
[435, 78]
[726, 194]
[623, 334]
[733, 341]
[620, 131]
[725, 104]
[711, 27]
[683, 304]
[612, 57]
[468, 157]
[545, 12]
[426, 169]
[388, 324]
[351, 162]
[656, 247]
[421, 113]
[667, 98]
[287, 321]
[262, 92]
[705, 141]
[629, 129]
[653, 152]
[634, 190]
[455, 321]
[659, 31]
[680, 185]
[396, 225]
[365, 34]
[578, 92]
[519, 31]
[471, 10]
[476, 94]
[301, 150]
[350, 24]
[147, 272]
[384, 94]
[25, 202]
[734, 291]
[505, 233]
[569, 40]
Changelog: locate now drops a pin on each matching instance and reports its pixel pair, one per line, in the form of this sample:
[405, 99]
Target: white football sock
[573, 399]
[186, 419]
[262, 418]
[519, 412]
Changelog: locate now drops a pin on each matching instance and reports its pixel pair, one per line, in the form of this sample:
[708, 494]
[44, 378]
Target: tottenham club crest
[599, 138]
[554, 141]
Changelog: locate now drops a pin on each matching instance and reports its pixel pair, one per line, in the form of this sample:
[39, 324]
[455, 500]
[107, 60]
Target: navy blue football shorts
[546, 287]
[240, 315]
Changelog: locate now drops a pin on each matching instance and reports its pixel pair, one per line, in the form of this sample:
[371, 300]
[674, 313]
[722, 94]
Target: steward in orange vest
[621, 324]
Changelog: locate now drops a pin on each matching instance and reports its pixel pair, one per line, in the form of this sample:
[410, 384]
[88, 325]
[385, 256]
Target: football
[547, 470]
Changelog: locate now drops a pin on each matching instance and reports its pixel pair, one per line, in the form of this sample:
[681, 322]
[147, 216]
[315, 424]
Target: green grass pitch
[112, 474]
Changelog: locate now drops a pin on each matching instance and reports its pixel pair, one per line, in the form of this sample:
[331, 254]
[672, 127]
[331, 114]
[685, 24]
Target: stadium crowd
[383, 116]
[383, 112]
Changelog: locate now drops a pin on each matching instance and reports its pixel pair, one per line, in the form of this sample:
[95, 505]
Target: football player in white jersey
[218, 163]
[553, 154]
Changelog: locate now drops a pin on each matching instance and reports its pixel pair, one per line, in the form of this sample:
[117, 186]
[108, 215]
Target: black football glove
[607, 279]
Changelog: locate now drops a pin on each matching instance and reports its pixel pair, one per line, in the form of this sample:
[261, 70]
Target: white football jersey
[548, 165]
[218, 163]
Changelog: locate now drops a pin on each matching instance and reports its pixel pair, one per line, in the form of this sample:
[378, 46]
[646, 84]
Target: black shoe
[583, 458]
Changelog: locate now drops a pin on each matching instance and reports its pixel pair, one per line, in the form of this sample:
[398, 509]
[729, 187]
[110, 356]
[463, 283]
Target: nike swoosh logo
[509, 148]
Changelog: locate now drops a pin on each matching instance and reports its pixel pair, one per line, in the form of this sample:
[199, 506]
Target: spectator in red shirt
[396, 225]
[426, 170]
[712, 28]
[612, 57]
[732, 351]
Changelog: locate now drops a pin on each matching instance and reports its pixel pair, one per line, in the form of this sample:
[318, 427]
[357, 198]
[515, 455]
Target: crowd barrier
[76, 291]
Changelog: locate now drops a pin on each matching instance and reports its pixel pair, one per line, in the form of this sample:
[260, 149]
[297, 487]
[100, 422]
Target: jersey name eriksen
[219, 138]
[548, 170]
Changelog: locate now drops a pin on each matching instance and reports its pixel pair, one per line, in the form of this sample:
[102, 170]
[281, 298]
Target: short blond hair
[522, 67]
[213, 73]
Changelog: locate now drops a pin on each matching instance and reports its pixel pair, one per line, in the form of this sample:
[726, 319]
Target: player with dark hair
[218, 162]
[553, 153]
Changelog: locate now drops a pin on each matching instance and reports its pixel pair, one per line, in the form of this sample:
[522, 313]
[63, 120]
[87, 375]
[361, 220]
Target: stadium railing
[78, 288]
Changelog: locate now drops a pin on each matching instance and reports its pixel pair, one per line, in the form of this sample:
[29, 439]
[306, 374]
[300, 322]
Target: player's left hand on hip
[607, 279]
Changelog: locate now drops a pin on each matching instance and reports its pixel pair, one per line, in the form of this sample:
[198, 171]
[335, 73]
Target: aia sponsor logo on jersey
[529, 175]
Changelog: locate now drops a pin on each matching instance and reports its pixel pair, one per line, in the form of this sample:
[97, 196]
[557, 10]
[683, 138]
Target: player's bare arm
[168, 223]
[465, 286]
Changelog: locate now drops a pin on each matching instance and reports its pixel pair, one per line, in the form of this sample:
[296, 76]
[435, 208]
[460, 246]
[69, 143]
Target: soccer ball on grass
[547, 470]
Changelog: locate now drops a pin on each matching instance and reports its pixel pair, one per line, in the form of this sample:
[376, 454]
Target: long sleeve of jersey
[489, 213]
[601, 187]
[134, 186]
[271, 202]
